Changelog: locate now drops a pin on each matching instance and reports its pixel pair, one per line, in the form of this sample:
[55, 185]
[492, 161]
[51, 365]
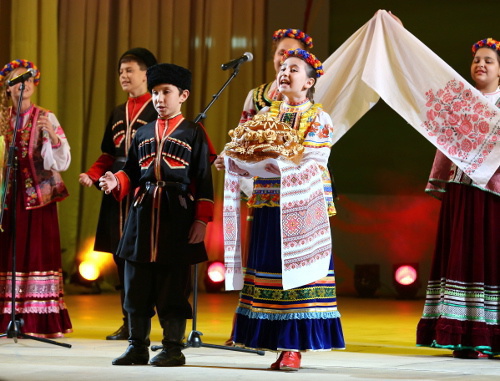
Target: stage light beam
[405, 275]
[89, 270]
[214, 276]
[406, 280]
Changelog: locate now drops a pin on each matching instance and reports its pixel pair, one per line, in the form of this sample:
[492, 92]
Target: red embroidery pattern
[323, 131]
[231, 224]
[118, 133]
[461, 123]
[302, 224]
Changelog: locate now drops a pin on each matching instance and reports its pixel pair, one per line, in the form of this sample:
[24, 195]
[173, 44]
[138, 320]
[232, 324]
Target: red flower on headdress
[486, 43]
[294, 33]
[305, 56]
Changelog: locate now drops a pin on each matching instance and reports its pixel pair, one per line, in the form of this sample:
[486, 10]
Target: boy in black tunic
[124, 121]
[168, 163]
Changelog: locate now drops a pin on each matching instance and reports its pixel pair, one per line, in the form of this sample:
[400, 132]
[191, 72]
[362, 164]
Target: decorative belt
[121, 159]
[167, 184]
[157, 195]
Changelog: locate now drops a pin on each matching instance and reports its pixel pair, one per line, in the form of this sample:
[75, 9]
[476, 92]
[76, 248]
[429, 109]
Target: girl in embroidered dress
[462, 307]
[263, 95]
[286, 305]
[42, 152]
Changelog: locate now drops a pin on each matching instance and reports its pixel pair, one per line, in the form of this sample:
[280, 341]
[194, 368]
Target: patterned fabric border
[462, 301]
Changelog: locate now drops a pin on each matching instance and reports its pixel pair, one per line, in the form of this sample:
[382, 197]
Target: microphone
[238, 61]
[23, 77]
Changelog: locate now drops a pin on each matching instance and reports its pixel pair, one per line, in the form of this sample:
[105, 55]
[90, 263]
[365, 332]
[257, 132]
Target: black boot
[137, 352]
[173, 335]
[121, 333]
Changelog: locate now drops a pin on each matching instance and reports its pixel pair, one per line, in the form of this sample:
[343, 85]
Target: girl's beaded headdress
[19, 63]
[294, 33]
[307, 57]
[486, 43]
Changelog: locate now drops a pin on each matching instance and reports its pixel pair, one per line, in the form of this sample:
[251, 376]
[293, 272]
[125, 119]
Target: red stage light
[406, 280]
[214, 276]
[405, 275]
[216, 271]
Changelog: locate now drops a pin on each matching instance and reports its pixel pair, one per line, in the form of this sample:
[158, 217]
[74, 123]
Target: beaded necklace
[278, 111]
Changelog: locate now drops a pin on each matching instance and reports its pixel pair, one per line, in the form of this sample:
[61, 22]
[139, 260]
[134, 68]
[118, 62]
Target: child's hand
[395, 18]
[237, 170]
[219, 163]
[85, 180]
[197, 232]
[49, 128]
[108, 182]
[273, 168]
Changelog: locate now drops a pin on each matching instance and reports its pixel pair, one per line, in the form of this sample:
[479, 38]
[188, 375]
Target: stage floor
[379, 334]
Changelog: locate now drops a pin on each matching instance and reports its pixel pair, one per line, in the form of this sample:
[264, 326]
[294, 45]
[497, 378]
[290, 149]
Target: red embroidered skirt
[39, 283]
[462, 306]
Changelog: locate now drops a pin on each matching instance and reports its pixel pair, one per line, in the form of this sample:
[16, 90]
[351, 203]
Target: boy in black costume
[124, 121]
[168, 162]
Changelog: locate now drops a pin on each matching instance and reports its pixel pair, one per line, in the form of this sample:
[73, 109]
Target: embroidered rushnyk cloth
[380, 60]
[383, 60]
[306, 244]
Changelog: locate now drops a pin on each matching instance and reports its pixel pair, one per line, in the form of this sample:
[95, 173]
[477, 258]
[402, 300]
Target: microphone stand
[194, 337]
[14, 327]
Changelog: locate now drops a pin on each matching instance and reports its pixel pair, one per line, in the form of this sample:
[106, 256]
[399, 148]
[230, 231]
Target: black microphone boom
[23, 77]
[238, 61]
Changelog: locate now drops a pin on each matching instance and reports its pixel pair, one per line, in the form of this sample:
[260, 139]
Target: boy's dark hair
[142, 56]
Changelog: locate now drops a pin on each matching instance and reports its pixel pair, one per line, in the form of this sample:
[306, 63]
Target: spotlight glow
[89, 270]
[405, 275]
[216, 272]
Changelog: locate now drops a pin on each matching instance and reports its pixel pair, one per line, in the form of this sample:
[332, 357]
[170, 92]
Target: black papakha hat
[170, 74]
[141, 54]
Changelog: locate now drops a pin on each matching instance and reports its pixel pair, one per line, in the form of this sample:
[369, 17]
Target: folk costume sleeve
[248, 108]
[56, 157]
[105, 161]
[128, 178]
[201, 177]
[318, 140]
[120, 130]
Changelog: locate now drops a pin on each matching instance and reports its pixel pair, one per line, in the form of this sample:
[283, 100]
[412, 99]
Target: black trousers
[150, 286]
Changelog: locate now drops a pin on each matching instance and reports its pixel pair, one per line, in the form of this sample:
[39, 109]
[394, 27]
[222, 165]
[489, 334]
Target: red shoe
[469, 354]
[229, 342]
[290, 361]
[276, 365]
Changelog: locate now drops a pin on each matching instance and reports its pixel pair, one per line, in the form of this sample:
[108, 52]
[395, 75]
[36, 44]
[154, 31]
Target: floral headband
[293, 33]
[305, 56]
[19, 63]
[486, 43]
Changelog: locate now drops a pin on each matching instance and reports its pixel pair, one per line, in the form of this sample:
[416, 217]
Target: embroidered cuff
[204, 210]
[123, 187]
[100, 166]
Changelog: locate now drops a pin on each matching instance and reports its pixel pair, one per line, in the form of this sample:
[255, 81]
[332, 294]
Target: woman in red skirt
[462, 306]
[42, 152]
